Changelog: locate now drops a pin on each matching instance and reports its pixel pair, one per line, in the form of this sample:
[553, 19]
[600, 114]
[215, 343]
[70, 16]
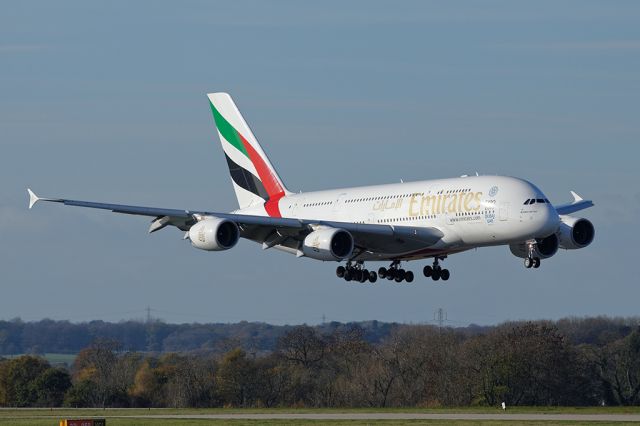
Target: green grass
[96, 412]
[179, 422]
[51, 417]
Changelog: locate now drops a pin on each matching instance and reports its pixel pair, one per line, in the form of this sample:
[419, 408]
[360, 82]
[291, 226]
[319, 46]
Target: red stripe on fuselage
[271, 206]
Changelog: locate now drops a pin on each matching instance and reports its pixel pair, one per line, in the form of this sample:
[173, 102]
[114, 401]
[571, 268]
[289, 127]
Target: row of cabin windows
[325, 203]
[471, 213]
[455, 191]
[385, 197]
[537, 200]
[389, 197]
[397, 219]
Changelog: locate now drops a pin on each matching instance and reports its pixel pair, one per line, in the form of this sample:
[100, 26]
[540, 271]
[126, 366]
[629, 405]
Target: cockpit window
[540, 200]
[527, 202]
[547, 201]
[533, 201]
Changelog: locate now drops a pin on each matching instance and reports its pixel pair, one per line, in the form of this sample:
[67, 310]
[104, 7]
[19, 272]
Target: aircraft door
[339, 212]
[504, 211]
[337, 205]
[294, 206]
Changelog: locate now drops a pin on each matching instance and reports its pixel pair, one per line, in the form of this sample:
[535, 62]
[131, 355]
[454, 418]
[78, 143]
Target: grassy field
[96, 412]
[50, 417]
[167, 422]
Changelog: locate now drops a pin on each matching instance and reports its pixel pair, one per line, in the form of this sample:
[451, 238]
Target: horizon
[107, 102]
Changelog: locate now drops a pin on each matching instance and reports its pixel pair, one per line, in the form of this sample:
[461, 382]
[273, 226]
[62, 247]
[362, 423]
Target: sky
[106, 101]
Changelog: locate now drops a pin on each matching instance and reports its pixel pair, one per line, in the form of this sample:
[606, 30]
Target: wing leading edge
[369, 237]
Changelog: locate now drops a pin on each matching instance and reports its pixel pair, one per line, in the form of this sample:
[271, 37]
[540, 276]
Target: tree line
[578, 362]
[50, 336]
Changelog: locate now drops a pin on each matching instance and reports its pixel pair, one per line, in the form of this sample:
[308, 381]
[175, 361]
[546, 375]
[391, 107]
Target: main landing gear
[436, 272]
[395, 273]
[531, 261]
[356, 272]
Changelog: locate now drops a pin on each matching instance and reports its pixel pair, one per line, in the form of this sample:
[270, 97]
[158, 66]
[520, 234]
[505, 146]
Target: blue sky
[106, 102]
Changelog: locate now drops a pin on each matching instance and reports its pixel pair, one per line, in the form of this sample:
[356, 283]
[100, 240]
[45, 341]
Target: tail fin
[254, 179]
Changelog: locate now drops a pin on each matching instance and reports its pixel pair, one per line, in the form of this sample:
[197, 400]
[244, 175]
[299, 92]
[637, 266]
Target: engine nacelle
[328, 244]
[214, 234]
[575, 233]
[544, 249]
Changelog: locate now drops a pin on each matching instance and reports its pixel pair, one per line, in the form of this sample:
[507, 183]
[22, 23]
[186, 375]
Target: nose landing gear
[531, 261]
[436, 272]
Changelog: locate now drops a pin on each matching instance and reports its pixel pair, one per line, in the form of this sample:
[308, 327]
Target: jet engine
[214, 234]
[328, 244]
[575, 233]
[544, 248]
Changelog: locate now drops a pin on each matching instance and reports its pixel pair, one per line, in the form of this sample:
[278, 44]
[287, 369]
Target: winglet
[33, 198]
[576, 197]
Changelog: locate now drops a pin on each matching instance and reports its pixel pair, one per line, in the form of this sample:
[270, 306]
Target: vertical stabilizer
[255, 180]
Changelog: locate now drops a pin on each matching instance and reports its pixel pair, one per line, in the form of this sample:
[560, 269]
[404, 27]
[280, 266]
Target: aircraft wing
[275, 231]
[578, 204]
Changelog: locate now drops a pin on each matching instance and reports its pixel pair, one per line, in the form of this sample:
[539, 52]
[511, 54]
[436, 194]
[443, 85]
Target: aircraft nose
[550, 221]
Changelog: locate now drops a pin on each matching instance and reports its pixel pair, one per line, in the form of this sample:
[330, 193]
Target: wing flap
[381, 238]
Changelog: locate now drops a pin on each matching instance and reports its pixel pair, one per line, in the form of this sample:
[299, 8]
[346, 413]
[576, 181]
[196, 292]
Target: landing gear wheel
[340, 270]
[364, 276]
[348, 275]
[528, 262]
[391, 274]
[402, 274]
[398, 278]
[408, 276]
[382, 272]
[427, 271]
[435, 275]
[373, 277]
[536, 262]
[444, 274]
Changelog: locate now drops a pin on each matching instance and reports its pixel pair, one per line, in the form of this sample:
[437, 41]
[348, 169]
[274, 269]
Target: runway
[400, 416]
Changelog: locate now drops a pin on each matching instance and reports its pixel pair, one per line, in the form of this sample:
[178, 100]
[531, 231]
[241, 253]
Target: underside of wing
[288, 234]
[370, 240]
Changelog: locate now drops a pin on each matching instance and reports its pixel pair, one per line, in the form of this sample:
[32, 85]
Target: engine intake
[328, 244]
[214, 234]
[575, 233]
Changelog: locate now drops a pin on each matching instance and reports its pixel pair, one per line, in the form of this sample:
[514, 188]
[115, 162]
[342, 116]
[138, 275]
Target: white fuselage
[471, 211]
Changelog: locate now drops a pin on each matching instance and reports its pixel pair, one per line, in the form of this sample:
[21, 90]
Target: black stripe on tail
[245, 179]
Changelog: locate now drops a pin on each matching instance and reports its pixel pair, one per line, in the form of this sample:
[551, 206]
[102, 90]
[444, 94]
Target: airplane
[401, 222]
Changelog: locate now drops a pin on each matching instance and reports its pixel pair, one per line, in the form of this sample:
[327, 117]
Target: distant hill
[64, 337]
